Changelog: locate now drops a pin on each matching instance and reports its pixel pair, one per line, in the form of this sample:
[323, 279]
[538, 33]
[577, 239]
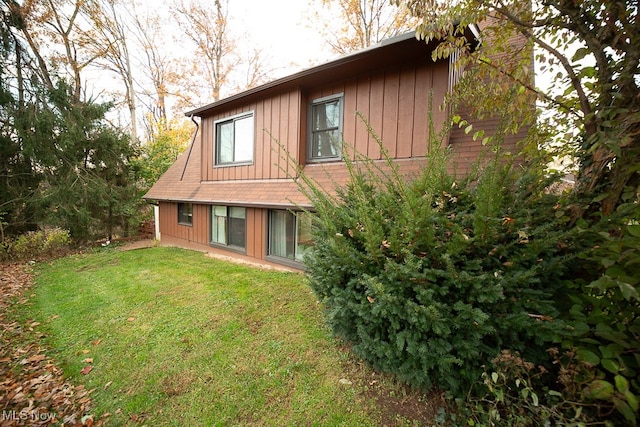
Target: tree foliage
[207, 28]
[552, 328]
[65, 165]
[430, 278]
[157, 155]
[590, 50]
[363, 23]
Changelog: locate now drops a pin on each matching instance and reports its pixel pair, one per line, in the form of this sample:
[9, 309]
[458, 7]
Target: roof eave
[301, 75]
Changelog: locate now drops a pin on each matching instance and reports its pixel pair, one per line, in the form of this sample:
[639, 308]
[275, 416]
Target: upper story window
[326, 128]
[234, 140]
[185, 213]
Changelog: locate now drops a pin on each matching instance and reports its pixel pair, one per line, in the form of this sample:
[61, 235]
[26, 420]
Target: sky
[282, 28]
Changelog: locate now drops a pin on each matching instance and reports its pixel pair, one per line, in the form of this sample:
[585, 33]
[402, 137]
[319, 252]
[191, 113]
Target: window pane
[219, 224]
[225, 142]
[185, 213]
[244, 139]
[237, 232]
[326, 115]
[237, 226]
[325, 143]
[332, 113]
[282, 234]
[236, 212]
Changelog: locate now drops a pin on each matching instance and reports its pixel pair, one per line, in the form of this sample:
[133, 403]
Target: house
[232, 191]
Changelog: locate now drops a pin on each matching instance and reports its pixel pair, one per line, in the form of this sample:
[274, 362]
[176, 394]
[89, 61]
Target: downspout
[186, 162]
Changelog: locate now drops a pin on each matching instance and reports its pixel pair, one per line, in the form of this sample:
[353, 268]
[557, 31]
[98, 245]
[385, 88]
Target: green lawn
[177, 338]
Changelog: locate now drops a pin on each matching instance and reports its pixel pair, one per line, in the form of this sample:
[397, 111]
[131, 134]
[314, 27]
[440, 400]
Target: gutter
[186, 161]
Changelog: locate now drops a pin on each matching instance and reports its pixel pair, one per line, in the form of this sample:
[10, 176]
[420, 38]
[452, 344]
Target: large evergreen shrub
[431, 277]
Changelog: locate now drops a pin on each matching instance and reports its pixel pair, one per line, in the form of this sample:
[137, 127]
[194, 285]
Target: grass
[176, 338]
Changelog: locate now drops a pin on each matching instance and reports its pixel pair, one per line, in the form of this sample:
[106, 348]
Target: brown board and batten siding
[395, 102]
[197, 235]
[276, 120]
[190, 233]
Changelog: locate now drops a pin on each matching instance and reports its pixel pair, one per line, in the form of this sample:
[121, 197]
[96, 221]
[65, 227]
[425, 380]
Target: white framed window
[234, 140]
[325, 128]
[228, 226]
[289, 234]
[185, 213]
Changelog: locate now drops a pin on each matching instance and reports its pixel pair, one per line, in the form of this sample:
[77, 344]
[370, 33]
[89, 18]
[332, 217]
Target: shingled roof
[182, 183]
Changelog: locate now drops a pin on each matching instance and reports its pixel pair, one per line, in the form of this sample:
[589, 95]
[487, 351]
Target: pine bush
[432, 277]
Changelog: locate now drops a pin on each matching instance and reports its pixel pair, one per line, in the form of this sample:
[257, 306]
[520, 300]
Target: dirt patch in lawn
[398, 403]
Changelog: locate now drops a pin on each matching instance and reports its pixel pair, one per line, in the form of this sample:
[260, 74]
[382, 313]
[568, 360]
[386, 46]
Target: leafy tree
[591, 51]
[17, 99]
[108, 41]
[363, 23]
[156, 155]
[207, 28]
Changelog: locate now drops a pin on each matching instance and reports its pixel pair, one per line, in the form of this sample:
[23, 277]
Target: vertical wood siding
[276, 120]
[199, 233]
[395, 101]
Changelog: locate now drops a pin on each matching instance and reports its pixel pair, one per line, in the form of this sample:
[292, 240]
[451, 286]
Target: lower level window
[185, 213]
[228, 226]
[289, 234]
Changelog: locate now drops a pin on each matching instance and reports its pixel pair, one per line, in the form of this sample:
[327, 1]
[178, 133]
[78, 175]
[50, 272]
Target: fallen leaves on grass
[33, 390]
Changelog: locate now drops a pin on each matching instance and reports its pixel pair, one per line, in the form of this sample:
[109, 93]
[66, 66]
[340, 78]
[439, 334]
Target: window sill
[325, 160]
[286, 261]
[229, 165]
[236, 249]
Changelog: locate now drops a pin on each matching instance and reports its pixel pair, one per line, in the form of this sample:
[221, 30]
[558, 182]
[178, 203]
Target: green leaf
[628, 291]
[622, 384]
[611, 351]
[634, 230]
[599, 389]
[468, 129]
[625, 410]
[611, 365]
[603, 283]
[632, 400]
[494, 377]
[600, 197]
[606, 262]
[588, 356]
[580, 54]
